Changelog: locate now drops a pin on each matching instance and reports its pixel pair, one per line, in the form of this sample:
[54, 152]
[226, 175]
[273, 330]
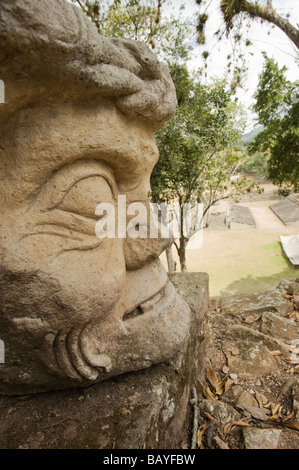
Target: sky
[276, 45]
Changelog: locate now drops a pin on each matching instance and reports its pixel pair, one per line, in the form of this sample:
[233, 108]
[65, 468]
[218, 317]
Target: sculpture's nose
[139, 251]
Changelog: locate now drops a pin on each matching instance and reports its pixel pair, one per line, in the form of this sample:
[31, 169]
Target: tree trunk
[170, 261]
[182, 255]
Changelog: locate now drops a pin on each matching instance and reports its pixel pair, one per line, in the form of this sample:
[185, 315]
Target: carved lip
[151, 303]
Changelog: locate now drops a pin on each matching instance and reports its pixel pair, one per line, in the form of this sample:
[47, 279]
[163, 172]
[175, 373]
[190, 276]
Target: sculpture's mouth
[96, 350]
[146, 306]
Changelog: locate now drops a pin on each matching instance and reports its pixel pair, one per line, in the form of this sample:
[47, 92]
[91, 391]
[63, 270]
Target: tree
[238, 17]
[232, 9]
[277, 106]
[142, 20]
[199, 151]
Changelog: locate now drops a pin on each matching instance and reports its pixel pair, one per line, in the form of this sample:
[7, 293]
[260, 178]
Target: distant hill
[249, 136]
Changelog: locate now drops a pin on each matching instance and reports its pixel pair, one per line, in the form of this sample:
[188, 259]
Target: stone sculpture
[76, 130]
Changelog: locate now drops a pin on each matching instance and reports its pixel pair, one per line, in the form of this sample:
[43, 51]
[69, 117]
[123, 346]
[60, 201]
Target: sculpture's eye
[83, 197]
[66, 204]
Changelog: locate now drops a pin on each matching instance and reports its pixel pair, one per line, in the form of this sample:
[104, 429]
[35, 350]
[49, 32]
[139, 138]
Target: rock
[271, 300]
[274, 325]
[144, 409]
[287, 210]
[221, 411]
[254, 360]
[289, 286]
[294, 287]
[128, 413]
[296, 301]
[246, 399]
[234, 377]
[262, 414]
[220, 443]
[234, 392]
[241, 332]
[256, 438]
[241, 217]
[194, 288]
[295, 396]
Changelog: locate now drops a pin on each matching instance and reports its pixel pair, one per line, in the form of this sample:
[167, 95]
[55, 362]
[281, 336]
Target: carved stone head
[76, 130]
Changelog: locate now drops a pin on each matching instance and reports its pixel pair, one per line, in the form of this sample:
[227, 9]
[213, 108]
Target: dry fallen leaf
[214, 380]
[262, 400]
[292, 425]
[276, 411]
[228, 384]
[290, 416]
[208, 393]
[276, 353]
[241, 422]
[209, 416]
[200, 433]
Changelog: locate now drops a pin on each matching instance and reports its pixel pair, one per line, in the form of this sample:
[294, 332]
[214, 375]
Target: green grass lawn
[242, 261]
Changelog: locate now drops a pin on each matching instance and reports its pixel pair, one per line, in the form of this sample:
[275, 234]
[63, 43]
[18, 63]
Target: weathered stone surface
[289, 286]
[77, 131]
[254, 360]
[145, 409]
[287, 210]
[266, 301]
[246, 399]
[256, 438]
[142, 410]
[223, 412]
[235, 392]
[51, 52]
[241, 332]
[241, 217]
[194, 289]
[280, 327]
[262, 366]
[294, 287]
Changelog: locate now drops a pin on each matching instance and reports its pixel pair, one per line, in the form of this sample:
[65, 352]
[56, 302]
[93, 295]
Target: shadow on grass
[251, 284]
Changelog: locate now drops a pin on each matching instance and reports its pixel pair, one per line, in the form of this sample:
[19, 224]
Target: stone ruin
[84, 318]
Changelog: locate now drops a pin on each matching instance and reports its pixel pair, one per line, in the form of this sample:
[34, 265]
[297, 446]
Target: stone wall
[147, 409]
